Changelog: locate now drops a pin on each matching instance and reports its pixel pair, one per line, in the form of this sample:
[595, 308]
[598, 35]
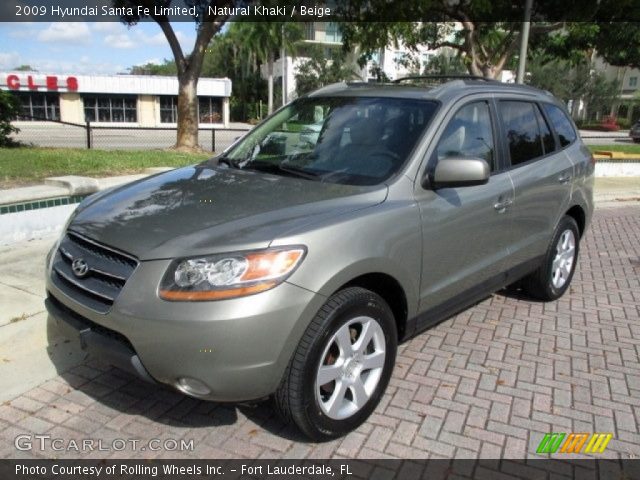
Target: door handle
[564, 178]
[502, 205]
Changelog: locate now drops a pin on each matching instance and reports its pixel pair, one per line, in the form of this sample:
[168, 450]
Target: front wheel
[553, 277]
[342, 365]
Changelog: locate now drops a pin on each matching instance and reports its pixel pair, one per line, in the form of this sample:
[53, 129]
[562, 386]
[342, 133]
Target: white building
[106, 100]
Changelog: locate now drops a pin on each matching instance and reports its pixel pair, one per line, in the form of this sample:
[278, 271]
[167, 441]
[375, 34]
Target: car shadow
[126, 393]
[516, 292]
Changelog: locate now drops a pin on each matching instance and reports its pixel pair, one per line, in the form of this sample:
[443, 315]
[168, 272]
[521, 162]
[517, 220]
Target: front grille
[108, 271]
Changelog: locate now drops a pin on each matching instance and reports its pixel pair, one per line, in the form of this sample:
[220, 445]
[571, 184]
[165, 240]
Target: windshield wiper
[275, 168]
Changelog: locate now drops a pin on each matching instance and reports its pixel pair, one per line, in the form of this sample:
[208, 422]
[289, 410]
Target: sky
[87, 48]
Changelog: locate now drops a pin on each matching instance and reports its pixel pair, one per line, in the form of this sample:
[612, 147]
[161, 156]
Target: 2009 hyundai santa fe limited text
[351, 219]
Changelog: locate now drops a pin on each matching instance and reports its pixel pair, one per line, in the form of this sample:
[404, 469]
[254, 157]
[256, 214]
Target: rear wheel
[341, 366]
[553, 277]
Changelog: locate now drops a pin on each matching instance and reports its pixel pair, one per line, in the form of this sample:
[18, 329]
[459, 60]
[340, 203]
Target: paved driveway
[487, 383]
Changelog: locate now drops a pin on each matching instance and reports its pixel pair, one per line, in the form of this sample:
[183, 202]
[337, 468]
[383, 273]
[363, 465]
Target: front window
[39, 106]
[111, 109]
[358, 141]
[210, 109]
[168, 109]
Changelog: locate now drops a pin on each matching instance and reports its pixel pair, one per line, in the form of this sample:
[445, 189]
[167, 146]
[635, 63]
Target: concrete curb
[69, 185]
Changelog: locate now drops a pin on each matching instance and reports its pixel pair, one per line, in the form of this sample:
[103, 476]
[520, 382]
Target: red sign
[51, 83]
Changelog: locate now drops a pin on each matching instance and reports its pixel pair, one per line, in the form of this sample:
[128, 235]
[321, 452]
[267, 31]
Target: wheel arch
[579, 215]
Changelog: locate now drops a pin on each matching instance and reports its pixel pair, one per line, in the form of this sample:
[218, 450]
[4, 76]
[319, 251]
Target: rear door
[464, 229]
[541, 174]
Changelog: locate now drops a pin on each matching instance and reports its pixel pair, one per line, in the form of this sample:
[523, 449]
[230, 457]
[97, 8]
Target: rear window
[561, 124]
[523, 131]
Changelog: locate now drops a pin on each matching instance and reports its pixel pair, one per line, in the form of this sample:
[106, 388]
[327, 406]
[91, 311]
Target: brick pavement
[486, 383]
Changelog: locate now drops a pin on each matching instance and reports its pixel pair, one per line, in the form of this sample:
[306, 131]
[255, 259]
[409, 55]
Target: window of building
[38, 106]
[633, 81]
[333, 33]
[309, 31]
[111, 109]
[168, 109]
[523, 131]
[561, 124]
[210, 109]
[469, 134]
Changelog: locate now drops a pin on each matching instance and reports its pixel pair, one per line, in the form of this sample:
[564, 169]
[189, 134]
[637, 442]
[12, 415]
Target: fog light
[192, 387]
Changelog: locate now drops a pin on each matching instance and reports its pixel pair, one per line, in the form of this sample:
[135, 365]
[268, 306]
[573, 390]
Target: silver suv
[291, 267]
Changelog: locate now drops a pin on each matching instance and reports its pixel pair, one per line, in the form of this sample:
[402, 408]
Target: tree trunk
[270, 63]
[187, 111]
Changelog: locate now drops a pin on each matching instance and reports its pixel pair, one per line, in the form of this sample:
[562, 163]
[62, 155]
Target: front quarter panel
[384, 238]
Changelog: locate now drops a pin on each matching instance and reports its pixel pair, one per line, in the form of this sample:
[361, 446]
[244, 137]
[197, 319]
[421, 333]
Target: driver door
[465, 229]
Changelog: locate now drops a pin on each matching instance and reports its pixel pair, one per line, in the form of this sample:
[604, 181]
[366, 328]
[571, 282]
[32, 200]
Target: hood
[202, 210]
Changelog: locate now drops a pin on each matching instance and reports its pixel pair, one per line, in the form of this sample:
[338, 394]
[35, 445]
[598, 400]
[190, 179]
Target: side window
[561, 124]
[548, 141]
[522, 129]
[469, 134]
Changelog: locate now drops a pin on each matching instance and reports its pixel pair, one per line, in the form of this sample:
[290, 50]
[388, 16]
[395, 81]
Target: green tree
[9, 110]
[485, 45]
[188, 66]
[267, 39]
[230, 56]
[323, 68]
[443, 64]
[166, 68]
[575, 81]
[25, 68]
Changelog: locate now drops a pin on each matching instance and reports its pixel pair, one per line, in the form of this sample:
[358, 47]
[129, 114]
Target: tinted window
[547, 137]
[469, 134]
[522, 129]
[561, 124]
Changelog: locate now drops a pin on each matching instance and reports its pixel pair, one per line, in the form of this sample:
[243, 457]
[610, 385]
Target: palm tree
[266, 39]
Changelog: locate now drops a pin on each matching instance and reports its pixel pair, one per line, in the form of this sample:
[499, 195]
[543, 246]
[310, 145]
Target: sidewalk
[25, 351]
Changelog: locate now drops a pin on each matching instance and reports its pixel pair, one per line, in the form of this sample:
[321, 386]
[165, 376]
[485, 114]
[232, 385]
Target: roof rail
[442, 77]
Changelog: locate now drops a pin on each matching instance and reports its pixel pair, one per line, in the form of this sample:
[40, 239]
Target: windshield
[349, 140]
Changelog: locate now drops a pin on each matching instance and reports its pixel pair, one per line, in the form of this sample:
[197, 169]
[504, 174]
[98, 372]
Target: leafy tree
[166, 68]
[25, 68]
[229, 55]
[321, 69]
[189, 66]
[573, 81]
[490, 31]
[266, 39]
[9, 110]
[443, 64]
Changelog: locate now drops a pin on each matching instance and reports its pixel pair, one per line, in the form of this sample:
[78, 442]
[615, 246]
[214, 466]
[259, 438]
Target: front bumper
[238, 348]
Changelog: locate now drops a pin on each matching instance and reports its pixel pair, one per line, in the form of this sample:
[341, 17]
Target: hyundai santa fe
[291, 265]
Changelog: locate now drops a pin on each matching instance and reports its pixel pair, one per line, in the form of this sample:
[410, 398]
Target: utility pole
[524, 41]
[283, 62]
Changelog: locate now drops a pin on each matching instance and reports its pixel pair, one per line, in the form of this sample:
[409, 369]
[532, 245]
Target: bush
[624, 123]
[9, 110]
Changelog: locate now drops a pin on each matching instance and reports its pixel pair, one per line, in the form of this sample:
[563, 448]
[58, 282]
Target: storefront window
[168, 109]
[110, 109]
[210, 109]
[38, 106]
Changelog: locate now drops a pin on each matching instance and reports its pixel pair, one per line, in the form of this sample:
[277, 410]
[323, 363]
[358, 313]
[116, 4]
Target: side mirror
[460, 172]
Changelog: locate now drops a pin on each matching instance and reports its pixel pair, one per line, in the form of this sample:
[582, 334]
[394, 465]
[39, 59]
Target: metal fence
[58, 134]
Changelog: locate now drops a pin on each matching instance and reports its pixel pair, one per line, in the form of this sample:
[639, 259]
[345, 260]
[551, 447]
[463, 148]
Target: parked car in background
[292, 269]
[634, 132]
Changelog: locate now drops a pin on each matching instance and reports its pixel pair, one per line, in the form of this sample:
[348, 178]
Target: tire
[332, 347]
[552, 279]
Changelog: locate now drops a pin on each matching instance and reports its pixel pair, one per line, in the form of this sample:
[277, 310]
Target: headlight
[230, 275]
